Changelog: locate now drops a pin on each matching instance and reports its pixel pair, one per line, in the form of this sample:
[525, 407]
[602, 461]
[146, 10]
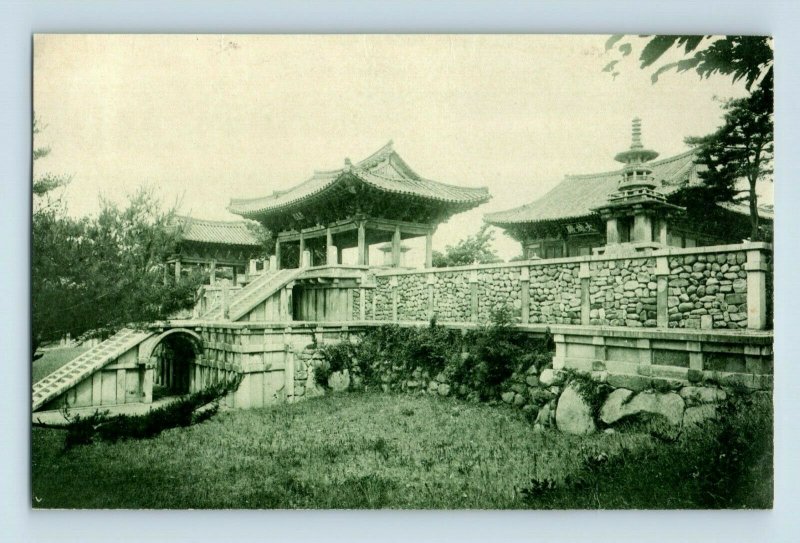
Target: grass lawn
[356, 450]
[54, 359]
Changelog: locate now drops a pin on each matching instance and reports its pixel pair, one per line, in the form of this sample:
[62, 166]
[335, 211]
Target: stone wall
[623, 292]
[708, 290]
[697, 288]
[555, 294]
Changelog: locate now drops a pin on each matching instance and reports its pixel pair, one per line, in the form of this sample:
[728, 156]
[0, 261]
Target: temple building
[634, 209]
[377, 200]
[221, 248]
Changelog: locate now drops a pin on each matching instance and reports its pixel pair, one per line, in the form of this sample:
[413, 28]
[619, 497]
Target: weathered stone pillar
[695, 360]
[584, 275]
[273, 263]
[663, 233]
[473, 292]
[560, 356]
[757, 294]
[362, 301]
[362, 244]
[252, 267]
[642, 228]
[213, 272]
[177, 270]
[277, 256]
[612, 231]
[525, 294]
[305, 259]
[662, 292]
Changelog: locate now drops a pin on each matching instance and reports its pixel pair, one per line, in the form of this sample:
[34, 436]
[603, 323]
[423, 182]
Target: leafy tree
[748, 58]
[742, 148]
[472, 250]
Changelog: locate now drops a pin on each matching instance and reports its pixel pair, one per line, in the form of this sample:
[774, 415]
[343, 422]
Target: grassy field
[365, 450]
[54, 359]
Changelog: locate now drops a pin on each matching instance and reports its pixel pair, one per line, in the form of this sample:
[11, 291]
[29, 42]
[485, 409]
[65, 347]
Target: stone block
[573, 414]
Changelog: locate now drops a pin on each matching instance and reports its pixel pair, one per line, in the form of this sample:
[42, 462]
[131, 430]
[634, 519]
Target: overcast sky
[208, 118]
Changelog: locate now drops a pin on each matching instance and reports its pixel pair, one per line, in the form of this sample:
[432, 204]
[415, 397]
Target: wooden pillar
[362, 244]
[429, 249]
[277, 255]
[396, 247]
[329, 247]
[302, 250]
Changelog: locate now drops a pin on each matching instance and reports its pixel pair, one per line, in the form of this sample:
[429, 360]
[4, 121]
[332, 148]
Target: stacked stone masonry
[701, 289]
[708, 290]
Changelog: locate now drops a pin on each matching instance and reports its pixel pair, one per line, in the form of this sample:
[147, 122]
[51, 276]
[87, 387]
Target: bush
[183, 412]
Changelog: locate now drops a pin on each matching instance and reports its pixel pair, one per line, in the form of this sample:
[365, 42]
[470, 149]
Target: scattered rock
[532, 380]
[507, 397]
[519, 399]
[543, 417]
[612, 407]
[444, 389]
[573, 414]
[339, 380]
[700, 395]
[698, 414]
[547, 377]
[670, 405]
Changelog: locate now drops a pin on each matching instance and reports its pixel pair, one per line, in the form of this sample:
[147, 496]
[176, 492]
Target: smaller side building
[634, 209]
[221, 248]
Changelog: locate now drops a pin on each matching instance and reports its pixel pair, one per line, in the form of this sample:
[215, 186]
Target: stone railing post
[393, 287]
[473, 292]
[429, 282]
[756, 269]
[584, 275]
[273, 263]
[525, 294]
[662, 292]
[288, 365]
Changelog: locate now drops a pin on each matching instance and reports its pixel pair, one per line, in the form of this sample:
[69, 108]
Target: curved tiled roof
[383, 170]
[220, 232]
[577, 195]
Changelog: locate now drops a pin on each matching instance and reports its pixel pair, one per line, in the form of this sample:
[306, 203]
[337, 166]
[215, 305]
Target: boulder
[697, 414]
[532, 380]
[547, 377]
[519, 400]
[612, 407]
[339, 380]
[573, 414]
[543, 417]
[694, 395]
[507, 397]
[670, 405]
[444, 389]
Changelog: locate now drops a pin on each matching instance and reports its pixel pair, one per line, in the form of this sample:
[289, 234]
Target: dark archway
[175, 356]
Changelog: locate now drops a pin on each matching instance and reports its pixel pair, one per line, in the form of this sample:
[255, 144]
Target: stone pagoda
[636, 215]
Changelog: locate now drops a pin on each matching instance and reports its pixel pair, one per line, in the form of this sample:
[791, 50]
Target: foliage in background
[95, 275]
[477, 363]
[475, 249]
[742, 148]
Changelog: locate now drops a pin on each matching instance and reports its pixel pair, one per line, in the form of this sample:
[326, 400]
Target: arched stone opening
[174, 354]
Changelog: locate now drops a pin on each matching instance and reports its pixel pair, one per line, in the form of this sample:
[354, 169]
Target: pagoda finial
[636, 140]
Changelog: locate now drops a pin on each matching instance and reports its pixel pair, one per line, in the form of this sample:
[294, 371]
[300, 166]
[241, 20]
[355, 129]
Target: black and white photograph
[402, 271]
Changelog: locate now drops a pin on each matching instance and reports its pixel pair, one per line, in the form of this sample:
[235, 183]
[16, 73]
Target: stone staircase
[258, 290]
[84, 365]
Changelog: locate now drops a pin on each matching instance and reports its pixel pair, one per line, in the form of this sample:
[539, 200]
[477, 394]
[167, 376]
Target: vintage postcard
[402, 272]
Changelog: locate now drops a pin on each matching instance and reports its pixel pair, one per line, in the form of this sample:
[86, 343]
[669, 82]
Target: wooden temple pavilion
[215, 246]
[377, 200]
[638, 208]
